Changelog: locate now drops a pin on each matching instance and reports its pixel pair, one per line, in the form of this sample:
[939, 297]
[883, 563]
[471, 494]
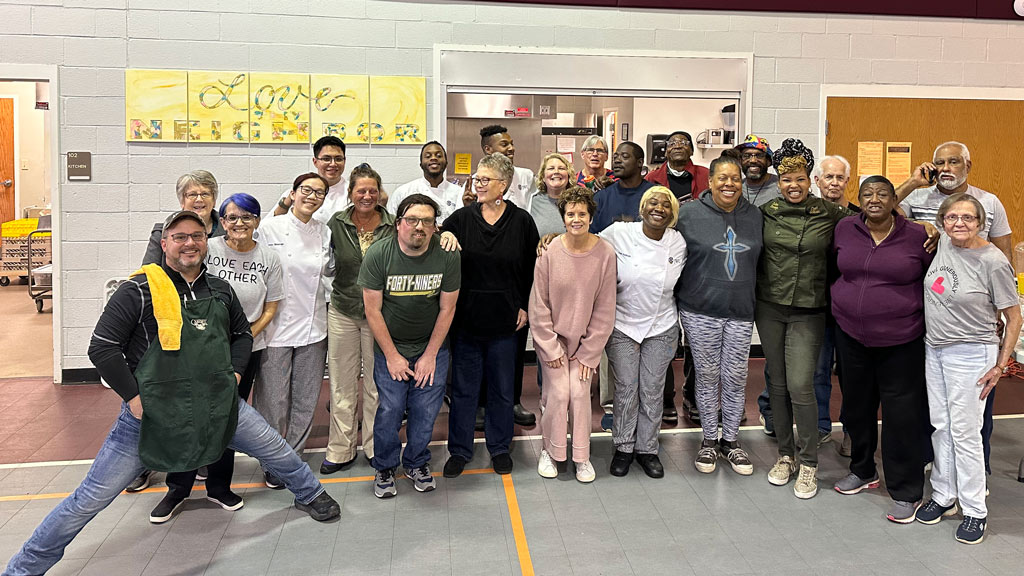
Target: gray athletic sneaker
[384, 483]
[902, 512]
[852, 484]
[422, 479]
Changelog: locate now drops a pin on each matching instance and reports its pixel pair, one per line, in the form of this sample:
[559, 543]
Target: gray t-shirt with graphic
[759, 194]
[255, 276]
[963, 291]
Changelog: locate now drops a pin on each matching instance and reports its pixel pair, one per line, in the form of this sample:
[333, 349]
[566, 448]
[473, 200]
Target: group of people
[435, 288]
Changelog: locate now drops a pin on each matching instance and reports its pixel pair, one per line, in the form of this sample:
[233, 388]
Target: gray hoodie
[722, 249]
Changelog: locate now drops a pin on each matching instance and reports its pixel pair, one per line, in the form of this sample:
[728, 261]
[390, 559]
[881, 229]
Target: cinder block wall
[106, 222]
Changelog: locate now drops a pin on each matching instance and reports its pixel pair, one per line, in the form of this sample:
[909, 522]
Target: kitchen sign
[79, 166]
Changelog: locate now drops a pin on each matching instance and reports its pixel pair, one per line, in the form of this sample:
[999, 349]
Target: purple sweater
[878, 299]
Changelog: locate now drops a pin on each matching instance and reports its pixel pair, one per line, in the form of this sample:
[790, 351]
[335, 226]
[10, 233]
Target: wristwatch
[282, 204]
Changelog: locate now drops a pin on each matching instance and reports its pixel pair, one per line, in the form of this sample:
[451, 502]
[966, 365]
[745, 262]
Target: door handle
[7, 183]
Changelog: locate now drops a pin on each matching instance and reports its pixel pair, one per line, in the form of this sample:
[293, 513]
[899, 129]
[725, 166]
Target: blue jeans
[117, 464]
[822, 382]
[394, 398]
[473, 358]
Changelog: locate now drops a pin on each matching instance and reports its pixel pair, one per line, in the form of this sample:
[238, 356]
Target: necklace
[753, 199]
[365, 224]
[880, 240]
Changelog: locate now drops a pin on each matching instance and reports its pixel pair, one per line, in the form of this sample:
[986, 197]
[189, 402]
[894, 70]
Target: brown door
[989, 128]
[7, 172]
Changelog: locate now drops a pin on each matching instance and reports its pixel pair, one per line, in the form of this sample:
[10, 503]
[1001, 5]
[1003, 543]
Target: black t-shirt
[681, 186]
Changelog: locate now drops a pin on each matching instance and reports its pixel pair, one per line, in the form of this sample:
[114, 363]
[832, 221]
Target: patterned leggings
[721, 348]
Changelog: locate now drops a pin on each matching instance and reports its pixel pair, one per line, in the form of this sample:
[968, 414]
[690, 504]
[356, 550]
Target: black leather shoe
[691, 411]
[523, 417]
[669, 415]
[327, 467]
[502, 463]
[454, 466]
[480, 414]
[651, 465]
[620, 463]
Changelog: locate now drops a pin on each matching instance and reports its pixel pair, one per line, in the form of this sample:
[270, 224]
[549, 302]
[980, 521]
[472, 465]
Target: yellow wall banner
[156, 105]
[263, 107]
[398, 109]
[340, 106]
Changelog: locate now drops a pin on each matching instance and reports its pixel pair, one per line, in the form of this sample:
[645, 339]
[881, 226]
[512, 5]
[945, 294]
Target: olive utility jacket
[346, 296]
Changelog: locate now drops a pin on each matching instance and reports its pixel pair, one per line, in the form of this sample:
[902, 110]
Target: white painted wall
[664, 116]
[106, 222]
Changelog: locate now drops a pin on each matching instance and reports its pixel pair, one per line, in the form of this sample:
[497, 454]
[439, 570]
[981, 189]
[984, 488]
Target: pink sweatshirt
[572, 304]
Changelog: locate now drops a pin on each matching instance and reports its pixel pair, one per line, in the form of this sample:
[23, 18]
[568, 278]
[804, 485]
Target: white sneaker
[783, 469]
[806, 482]
[585, 472]
[546, 466]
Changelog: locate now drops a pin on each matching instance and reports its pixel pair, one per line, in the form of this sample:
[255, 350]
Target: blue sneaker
[607, 421]
[971, 530]
[933, 512]
[384, 483]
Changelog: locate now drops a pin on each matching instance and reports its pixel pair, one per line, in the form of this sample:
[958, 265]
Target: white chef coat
[306, 258]
[335, 201]
[648, 269]
[448, 196]
[522, 186]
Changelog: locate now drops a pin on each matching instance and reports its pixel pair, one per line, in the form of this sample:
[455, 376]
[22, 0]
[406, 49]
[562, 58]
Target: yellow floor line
[201, 488]
[525, 563]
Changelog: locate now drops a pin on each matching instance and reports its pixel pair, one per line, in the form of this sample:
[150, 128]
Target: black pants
[219, 473]
[688, 384]
[892, 376]
[517, 384]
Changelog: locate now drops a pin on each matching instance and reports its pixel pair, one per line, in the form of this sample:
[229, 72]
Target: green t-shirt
[412, 289]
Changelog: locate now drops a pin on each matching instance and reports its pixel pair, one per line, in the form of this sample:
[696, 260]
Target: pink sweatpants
[565, 395]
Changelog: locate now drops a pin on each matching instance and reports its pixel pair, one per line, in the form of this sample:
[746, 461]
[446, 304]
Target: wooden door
[7, 172]
[991, 129]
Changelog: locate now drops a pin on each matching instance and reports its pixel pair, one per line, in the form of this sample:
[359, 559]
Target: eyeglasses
[594, 151]
[755, 155]
[332, 159]
[310, 191]
[247, 219]
[194, 195]
[965, 218]
[677, 144]
[414, 221]
[484, 181]
[181, 238]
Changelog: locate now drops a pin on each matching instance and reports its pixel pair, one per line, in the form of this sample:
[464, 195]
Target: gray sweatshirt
[721, 260]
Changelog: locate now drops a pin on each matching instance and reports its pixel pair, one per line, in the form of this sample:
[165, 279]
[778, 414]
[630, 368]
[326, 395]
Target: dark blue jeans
[394, 398]
[473, 358]
[822, 382]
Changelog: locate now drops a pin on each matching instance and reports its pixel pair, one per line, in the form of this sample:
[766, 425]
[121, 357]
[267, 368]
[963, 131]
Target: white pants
[957, 412]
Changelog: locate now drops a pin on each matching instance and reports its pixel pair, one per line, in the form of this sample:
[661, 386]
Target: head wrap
[755, 141]
[793, 147]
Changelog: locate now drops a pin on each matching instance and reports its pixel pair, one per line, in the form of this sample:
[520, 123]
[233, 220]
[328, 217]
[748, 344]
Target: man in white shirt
[951, 164]
[495, 138]
[329, 160]
[433, 162]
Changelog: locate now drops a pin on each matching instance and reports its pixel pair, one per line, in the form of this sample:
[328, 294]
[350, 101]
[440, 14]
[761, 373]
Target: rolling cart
[40, 275]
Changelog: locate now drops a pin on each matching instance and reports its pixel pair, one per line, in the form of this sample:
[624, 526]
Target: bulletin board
[989, 128]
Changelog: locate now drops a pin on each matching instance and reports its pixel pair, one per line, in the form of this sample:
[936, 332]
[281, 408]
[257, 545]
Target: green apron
[189, 396]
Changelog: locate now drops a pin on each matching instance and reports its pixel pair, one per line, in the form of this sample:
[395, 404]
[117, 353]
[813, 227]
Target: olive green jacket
[793, 268]
[346, 296]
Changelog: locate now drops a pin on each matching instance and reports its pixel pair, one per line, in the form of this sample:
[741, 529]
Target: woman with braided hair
[790, 314]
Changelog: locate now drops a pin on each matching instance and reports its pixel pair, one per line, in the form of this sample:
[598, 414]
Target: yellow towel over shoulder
[166, 305]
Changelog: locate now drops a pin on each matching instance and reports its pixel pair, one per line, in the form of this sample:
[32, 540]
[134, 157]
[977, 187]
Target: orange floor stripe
[525, 563]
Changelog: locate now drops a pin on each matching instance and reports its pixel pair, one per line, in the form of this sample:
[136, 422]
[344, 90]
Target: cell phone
[933, 175]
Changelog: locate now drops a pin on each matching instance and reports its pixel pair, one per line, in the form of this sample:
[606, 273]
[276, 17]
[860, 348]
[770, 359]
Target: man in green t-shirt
[410, 286]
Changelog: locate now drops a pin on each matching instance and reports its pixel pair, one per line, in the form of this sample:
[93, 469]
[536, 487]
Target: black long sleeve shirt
[127, 327]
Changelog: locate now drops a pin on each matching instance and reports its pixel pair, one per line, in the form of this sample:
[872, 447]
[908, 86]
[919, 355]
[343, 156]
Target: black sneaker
[523, 417]
[971, 530]
[322, 508]
[202, 474]
[141, 482]
[502, 463]
[932, 512]
[166, 509]
[228, 501]
[384, 483]
[327, 467]
[272, 482]
[454, 466]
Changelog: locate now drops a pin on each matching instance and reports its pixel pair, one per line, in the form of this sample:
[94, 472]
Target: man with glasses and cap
[173, 342]
[679, 174]
[759, 186]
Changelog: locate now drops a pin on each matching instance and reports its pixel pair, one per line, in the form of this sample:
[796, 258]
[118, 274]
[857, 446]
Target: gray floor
[685, 523]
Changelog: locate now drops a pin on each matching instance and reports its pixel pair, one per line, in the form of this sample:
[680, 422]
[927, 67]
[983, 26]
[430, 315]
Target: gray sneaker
[902, 512]
[853, 484]
[422, 479]
[384, 483]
